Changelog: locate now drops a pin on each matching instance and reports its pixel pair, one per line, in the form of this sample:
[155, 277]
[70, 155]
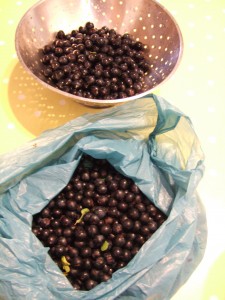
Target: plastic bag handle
[168, 118]
[168, 115]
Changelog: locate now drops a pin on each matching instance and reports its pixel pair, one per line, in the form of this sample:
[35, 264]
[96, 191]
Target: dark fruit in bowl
[96, 64]
[96, 224]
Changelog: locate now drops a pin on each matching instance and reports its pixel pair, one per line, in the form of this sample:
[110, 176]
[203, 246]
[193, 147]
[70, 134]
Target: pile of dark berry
[96, 224]
[95, 63]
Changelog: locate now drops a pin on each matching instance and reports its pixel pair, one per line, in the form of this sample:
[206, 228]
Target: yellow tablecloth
[197, 88]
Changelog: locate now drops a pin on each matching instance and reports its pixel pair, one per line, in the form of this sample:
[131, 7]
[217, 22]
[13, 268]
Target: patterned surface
[197, 88]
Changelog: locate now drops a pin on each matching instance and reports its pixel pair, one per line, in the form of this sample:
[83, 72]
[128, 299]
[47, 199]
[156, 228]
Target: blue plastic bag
[148, 140]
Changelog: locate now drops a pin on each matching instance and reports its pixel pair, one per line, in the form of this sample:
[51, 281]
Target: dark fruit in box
[96, 224]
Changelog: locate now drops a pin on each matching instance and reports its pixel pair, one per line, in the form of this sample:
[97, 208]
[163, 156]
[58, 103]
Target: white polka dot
[10, 126]
[213, 297]
[191, 24]
[191, 68]
[212, 139]
[190, 93]
[2, 43]
[208, 18]
[210, 58]
[211, 109]
[62, 102]
[10, 22]
[5, 80]
[21, 97]
[37, 113]
[211, 82]
[191, 45]
[191, 5]
[209, 36]
[213, 173]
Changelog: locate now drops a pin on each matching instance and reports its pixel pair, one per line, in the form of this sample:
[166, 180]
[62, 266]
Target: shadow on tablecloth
[38, 108]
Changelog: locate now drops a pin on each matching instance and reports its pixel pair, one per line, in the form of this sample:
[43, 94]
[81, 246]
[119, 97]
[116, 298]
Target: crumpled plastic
[148, 140]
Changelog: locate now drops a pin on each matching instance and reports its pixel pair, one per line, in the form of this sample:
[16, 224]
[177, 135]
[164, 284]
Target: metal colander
[148, 21]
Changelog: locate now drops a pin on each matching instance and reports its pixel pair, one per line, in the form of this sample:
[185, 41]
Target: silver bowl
[147, 20]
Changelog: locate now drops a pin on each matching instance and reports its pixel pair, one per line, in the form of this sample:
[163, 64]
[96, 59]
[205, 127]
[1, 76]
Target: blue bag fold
[148, 140]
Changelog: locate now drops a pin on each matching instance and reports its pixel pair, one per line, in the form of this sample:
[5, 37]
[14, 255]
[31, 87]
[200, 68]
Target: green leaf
[104, 246]
[84, 211]
[66, 269]
[64, 261]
